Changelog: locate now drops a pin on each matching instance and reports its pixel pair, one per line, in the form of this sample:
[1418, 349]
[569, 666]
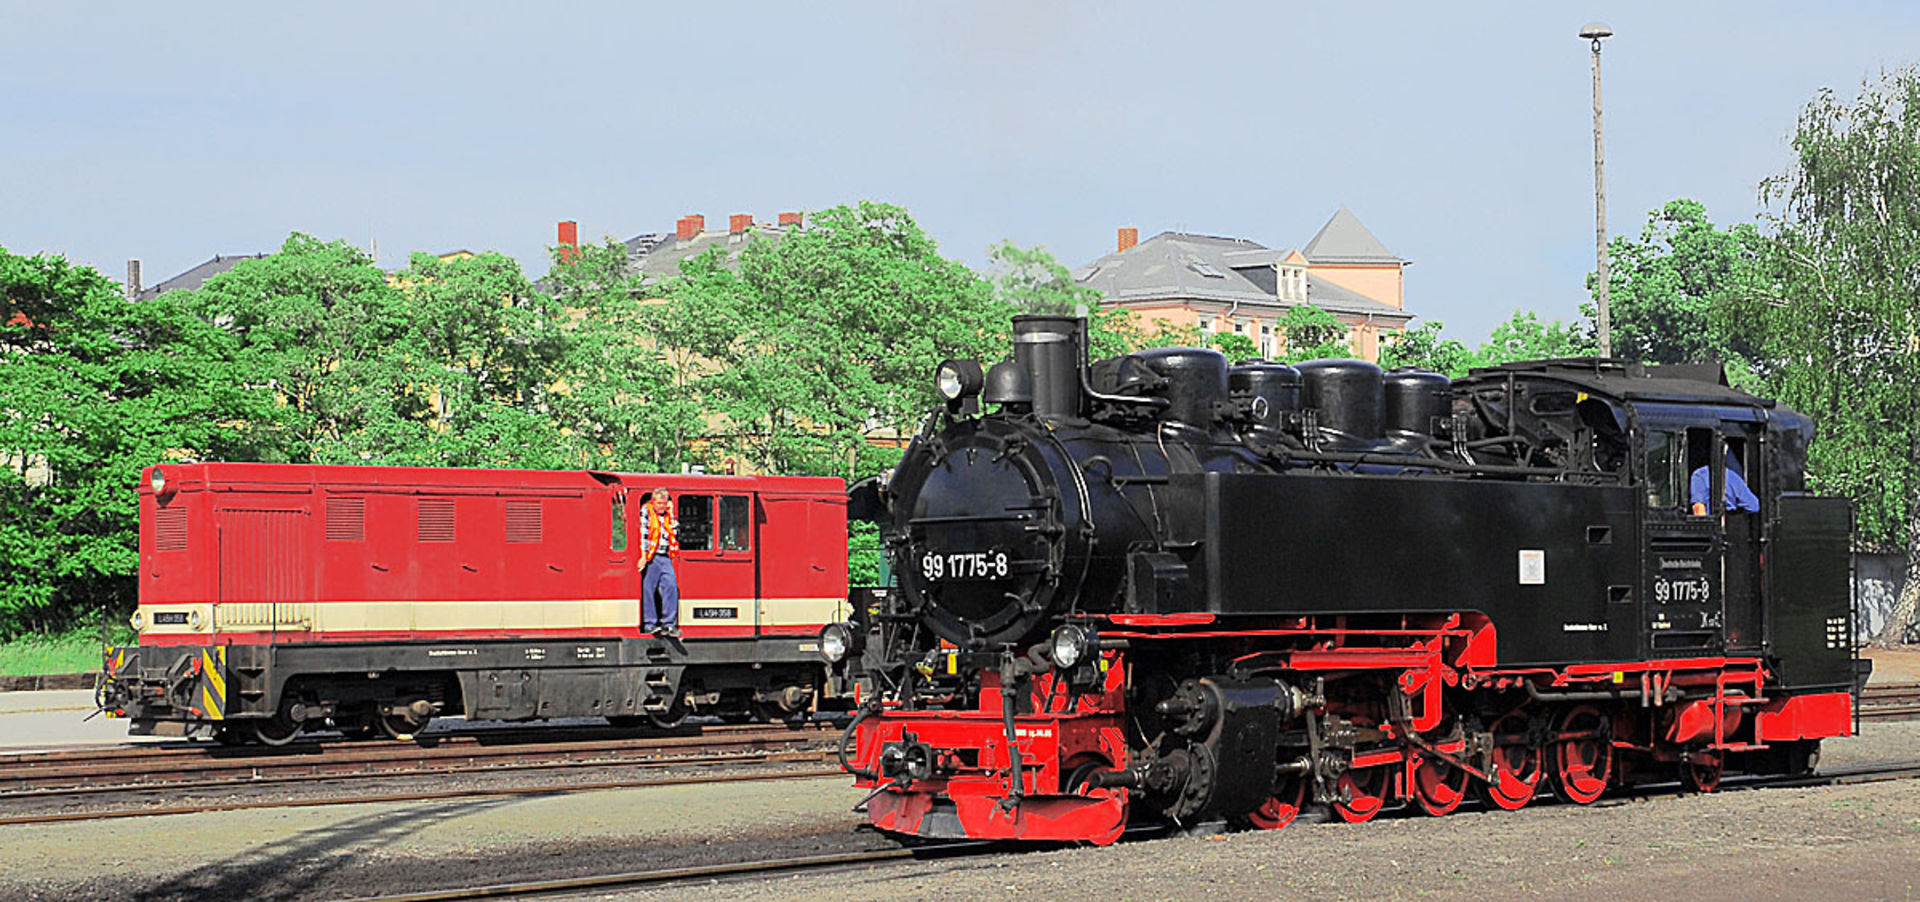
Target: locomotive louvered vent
[523, 521]
[346, 519]
[436, 520]
[170, 529]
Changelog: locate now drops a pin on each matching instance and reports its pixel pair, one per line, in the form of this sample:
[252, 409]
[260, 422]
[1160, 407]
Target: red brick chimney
[791, 220]
[1129, 237]
[569, 240]
[739, 223]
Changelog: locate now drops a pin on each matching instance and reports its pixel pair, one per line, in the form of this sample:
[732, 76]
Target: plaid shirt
[659, 534]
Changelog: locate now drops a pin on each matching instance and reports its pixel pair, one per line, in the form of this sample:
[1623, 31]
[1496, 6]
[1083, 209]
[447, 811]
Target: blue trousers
[659, 595]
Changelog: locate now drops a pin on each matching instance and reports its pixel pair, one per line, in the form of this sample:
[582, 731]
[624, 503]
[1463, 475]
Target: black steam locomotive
[1159, 587]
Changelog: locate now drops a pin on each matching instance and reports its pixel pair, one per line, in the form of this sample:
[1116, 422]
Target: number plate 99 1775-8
[955, 565]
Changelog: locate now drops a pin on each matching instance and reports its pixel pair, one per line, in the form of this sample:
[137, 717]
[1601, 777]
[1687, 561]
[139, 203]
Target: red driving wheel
[1582, 754]
[1516, 765]
[1279, 810]
[1365, 792]
[1438, 785]
[1703, 770]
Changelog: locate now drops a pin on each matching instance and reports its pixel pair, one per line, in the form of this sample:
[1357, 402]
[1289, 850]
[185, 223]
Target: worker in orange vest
[659, 591]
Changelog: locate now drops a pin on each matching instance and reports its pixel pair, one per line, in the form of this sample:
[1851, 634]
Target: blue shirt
[1739, 497]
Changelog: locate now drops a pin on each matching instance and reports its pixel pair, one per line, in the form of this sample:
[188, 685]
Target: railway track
[122, 769]
[1890, 701]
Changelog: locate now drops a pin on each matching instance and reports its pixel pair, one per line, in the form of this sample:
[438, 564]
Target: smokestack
[1129, 237]
[569, 240]
[133, 279]
[790, 220]
[739, 223]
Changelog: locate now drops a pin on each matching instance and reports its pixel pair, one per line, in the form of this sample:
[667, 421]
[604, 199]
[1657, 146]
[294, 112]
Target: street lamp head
[1595, 31]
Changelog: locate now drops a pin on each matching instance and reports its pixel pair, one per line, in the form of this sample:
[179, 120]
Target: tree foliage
[626, 397]
[1524, 336]
[832, 335]
[1833, 315]
[1312, 333]
[93, 388]
[1665, 285]
[1426, 348]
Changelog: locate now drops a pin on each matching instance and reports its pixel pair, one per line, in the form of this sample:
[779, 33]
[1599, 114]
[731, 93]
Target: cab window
[1664, 451]
[617, 540]
[736, 522]
[696, 522]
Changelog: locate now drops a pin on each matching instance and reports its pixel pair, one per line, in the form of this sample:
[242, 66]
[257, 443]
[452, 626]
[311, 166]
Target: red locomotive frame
[1575, 747]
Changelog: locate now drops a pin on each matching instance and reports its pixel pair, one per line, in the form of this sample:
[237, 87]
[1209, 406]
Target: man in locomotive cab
[1739, 497]
[659, 590]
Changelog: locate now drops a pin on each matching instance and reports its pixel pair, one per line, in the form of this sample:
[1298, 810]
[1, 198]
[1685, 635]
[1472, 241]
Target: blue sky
[171, 132]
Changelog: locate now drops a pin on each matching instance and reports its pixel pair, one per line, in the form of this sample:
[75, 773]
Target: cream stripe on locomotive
[454, 616]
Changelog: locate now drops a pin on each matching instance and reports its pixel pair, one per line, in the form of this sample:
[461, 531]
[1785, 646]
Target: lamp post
[1595, 31]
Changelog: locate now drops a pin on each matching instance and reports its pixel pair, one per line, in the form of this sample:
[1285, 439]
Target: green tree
[1525, 336]
[1424, 347]
[1665, 285]
[1030, 280]
[1833, 314]
[487, 351]
[320, 332]
[92, 389]
[837, 329]
[627, 398]
[1312, 333]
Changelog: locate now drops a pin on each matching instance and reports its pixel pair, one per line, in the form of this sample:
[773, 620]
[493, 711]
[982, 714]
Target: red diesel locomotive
[1162, 589]
[276, 598]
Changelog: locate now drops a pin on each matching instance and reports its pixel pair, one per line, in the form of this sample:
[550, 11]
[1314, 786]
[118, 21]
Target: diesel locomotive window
[617, 539]
[696, 522]
[1663, 476]
[736, 522]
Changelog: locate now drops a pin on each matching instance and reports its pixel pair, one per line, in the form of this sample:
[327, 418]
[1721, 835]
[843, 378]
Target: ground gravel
[1846, 842]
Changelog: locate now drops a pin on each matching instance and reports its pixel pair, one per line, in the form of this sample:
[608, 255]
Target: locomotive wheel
[1582, 755]
[400, 726]
[1703, 770]
[1438, 786]
[1283, 806]
[274, 731]
[1366, 793]
[675, 715]
[1516, 767]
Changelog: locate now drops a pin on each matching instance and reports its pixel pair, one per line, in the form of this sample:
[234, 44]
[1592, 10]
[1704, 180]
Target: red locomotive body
[276, 597]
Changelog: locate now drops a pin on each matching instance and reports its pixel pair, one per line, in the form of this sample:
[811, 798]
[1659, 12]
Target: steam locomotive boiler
[1163, 588]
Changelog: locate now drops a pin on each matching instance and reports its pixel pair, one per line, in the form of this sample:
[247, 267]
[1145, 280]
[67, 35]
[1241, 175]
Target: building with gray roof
[187, 281]
[1236, 285]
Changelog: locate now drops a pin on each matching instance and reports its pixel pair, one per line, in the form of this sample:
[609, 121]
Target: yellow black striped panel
[213, 682]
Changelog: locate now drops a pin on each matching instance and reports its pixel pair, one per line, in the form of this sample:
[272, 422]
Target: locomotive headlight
[159, 481]
[957, 379]
[837, 641]
[1072, 644]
